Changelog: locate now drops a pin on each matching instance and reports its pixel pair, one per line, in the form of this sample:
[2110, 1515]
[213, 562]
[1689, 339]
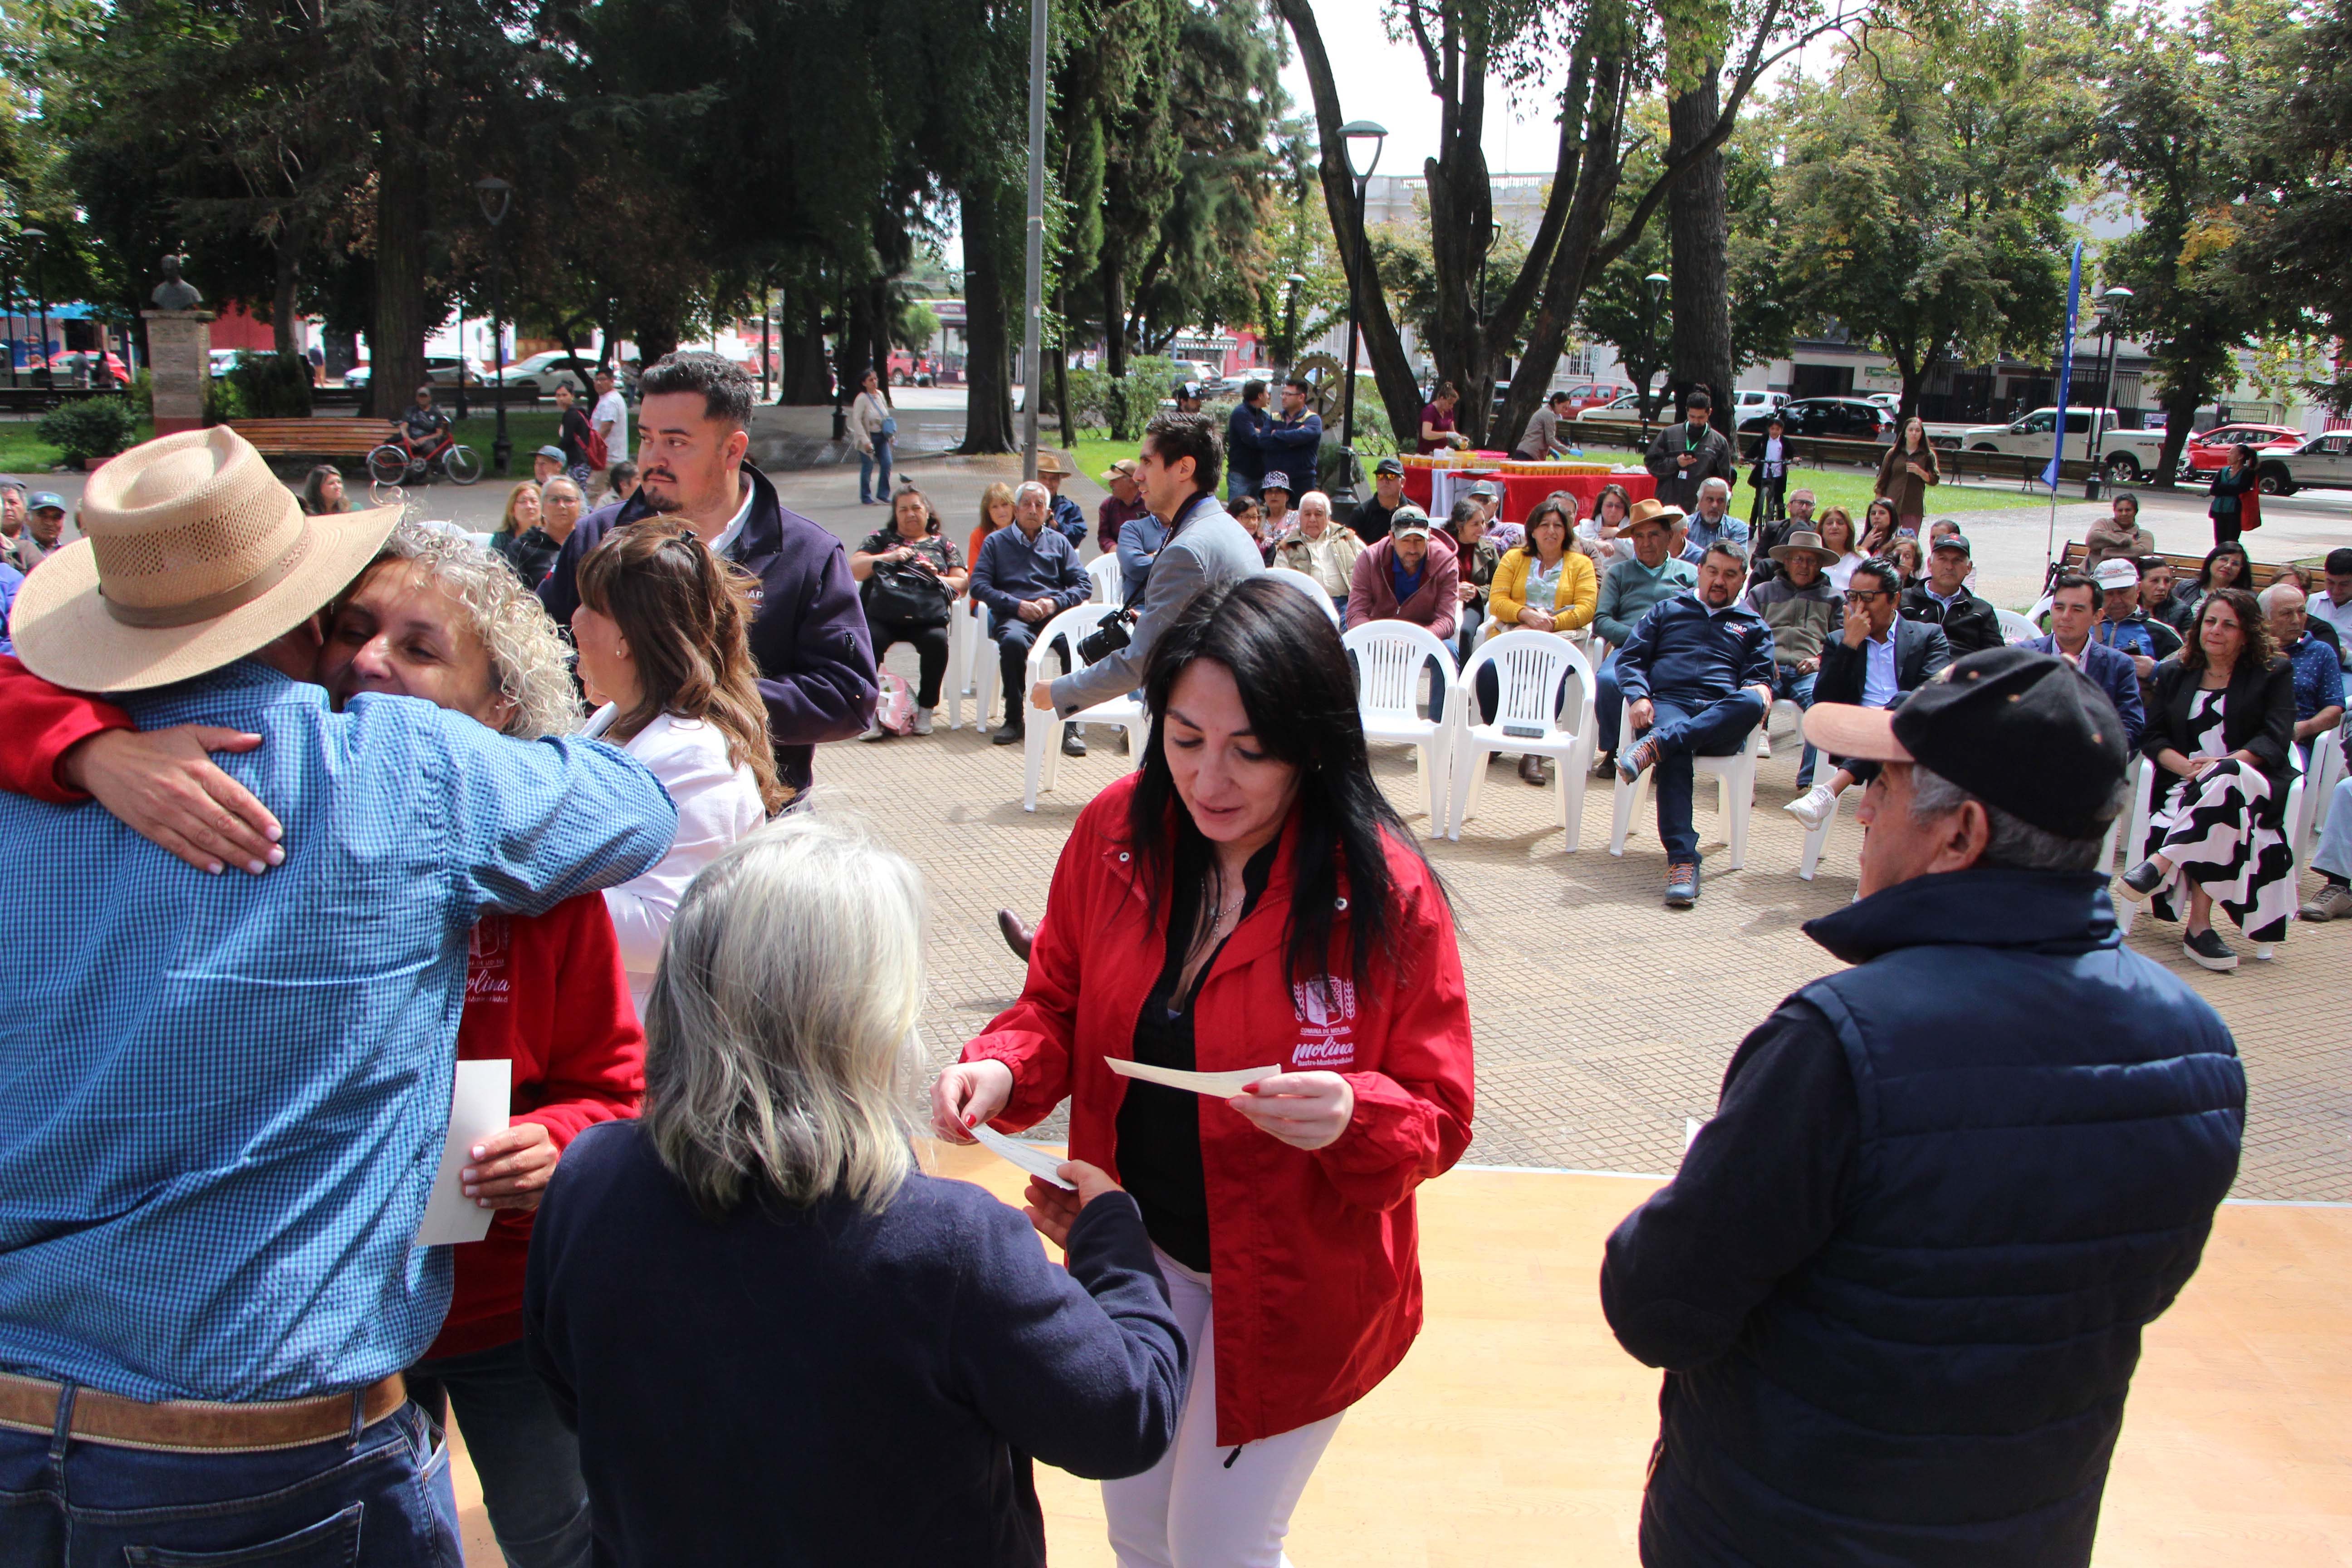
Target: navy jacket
[808, 632]
[2114, 674]
[1069, 520]
[1680, 652]
[1011, 568]
[1242, 427]
[1291, 449]
[826, 1385]
[1899, 1281]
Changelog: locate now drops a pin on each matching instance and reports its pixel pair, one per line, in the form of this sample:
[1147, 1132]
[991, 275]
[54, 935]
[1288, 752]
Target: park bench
[2259, 573]
[314, 438]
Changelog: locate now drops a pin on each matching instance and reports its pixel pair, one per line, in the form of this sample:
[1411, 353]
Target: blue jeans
[1684, 730]
[867, 463]
[1790, 687]
[528, 1461]
[378, 1499]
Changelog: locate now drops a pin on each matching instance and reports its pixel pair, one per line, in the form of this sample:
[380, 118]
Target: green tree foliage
[1925, 188]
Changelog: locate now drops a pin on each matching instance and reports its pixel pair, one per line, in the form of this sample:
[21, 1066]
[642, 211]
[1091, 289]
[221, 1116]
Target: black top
[786, 1386]
[1370, 520]
[572, 432]
[1158, 1127]
[532, 553]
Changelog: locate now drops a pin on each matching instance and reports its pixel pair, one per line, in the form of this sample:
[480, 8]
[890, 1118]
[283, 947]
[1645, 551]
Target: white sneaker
[873, 732]
[922, 720]
[1764, 746]
[1813, 807]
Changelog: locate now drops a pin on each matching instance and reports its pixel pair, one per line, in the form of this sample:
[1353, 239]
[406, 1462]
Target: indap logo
[1326, 1006]
[487, 950]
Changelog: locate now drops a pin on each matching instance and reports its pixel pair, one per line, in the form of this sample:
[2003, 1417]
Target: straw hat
[1650, 510]
[193, 555]
[1051, 463]
[1804, 540]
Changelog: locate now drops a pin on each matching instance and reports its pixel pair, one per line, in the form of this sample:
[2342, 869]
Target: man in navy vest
[1899, 1283]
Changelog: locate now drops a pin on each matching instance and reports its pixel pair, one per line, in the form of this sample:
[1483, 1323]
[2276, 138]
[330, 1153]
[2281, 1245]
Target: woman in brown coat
[1905, 473]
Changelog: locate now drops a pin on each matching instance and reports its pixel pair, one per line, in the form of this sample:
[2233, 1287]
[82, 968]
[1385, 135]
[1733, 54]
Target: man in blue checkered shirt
[223, 1098]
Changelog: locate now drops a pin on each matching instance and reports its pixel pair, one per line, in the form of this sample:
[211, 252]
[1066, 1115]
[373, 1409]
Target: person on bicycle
[423, 427]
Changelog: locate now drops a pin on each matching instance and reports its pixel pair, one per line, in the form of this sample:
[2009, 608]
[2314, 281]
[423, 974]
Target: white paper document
[1691, 1124]
[477, 1107]
[1216, 1085]
[1012, 1151]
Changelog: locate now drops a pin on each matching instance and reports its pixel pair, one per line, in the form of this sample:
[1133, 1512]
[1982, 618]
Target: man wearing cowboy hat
[1066, 517]
[1627, 593]
[1122, 506]
[229, 1094]
[1803, 610]
[1899, 1283]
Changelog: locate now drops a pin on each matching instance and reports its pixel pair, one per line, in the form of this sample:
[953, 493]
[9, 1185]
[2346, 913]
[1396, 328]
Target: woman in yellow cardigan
[1544, 585]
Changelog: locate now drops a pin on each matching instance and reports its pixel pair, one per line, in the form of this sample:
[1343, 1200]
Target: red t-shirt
[546, 992]
[1437, 419]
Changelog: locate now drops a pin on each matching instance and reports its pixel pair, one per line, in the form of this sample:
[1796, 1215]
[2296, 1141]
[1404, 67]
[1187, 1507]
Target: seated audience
[1711, 519]
[532, 554]
[2074, 614]
[2333, 858]
[620, 481]
[1121, 507]
[1879, 529]
[1411, 575]
[2222, 734]
[1900, 1280]
[1140, 540]
[1370, 522]
[1910, 561]
[1273, 492]
[406, 823]
[2226, 566]
[1067, 519]
[995, 512]
[1656, 573]
[1478, 556]
[1969, 624]
[1876, 659]
[912, 578]
[322, 492]
[912, 1348]
[1697, 677]
[1837, 533]
[2332, 605]
[1797, 516]
[2118, 535]
[2318, 673]
[1601, 536]
[2124, 624]
[1321, 549]
[1027, 574]
[1803, 611]
[1542, 586]
[520, 516]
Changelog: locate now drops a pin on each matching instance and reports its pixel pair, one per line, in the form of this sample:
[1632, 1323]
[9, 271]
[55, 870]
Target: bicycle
[397, 463]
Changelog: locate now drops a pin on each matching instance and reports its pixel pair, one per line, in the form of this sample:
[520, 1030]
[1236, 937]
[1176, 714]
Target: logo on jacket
[487, 950]
[1326, 1006]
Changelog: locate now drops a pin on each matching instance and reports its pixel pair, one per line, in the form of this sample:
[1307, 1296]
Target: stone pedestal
[180, 364]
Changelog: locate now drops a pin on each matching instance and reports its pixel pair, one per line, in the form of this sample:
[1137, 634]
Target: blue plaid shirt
[223, 1099]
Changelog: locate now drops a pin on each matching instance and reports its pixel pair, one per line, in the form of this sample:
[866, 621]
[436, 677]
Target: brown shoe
[1531, 768]
[1018, 937]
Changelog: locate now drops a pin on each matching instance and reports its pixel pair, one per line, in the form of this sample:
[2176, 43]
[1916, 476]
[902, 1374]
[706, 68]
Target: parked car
[1625, 408]
[2320, 462]
[446, 370]
[542, 373]
[1584, 394]
[355, 376]
[1751, 402]
[79, 367]
[1826, 418]
[2210, 453]
[2127, 456]
[223, 361]
[910, 369]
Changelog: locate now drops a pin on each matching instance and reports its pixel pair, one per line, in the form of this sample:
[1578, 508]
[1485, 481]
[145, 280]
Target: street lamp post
[1367, 136]
[41, 293]
[496, 195]
[1296, 280]
[9, 303]
[1654, 286]
[2111, 305]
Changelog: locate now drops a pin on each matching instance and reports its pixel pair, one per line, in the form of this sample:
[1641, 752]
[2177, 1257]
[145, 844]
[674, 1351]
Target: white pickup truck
[2321, 462]
[2127, 456]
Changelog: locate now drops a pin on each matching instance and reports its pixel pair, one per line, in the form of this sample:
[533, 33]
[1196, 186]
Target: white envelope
[1012, 1151]
[1216, 1085]
[477, 1107]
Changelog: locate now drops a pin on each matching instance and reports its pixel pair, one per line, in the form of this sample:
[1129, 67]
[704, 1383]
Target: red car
[2210, 453]
[909, 369]
[1587, 395]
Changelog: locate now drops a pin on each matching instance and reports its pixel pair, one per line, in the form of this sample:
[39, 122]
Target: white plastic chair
[1796, 713]
[1734, 796]
[1530, 669]
[971, 663]
[2328, 752]
[1042, 740]
[2015, 628]
[1390, 657]
[1308, 586]
[1109, 582]
[1818, 839]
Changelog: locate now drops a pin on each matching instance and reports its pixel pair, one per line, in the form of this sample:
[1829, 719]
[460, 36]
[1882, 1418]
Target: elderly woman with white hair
[1321, 548]
[778, 1339]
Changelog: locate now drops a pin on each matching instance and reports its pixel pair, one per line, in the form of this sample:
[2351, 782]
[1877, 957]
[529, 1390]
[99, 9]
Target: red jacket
[548, 994]
[1372, 595]
[1314, 1257]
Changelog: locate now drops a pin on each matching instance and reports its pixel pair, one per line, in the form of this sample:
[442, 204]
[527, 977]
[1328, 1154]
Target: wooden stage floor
[1517, 1432]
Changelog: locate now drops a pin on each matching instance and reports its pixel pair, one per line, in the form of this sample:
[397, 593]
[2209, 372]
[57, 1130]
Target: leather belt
[180, 1425]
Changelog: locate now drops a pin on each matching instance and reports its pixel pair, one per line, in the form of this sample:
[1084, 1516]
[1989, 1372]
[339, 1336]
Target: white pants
[1192, 1510]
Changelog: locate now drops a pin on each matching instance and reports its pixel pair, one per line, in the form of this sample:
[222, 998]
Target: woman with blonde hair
[521, 515]
[1836, 526]
[661, 629]
[757, 1270]
[995, 512]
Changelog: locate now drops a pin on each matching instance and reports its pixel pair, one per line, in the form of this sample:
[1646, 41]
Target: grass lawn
[23, 452]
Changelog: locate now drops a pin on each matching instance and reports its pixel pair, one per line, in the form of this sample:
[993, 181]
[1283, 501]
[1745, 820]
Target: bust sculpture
[175, 292]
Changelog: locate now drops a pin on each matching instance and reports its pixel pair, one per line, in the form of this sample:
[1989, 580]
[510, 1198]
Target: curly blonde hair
[529, 659]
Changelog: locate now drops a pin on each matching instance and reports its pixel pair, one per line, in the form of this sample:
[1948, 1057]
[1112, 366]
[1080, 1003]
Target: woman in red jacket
[441, 619]
[1247, 900]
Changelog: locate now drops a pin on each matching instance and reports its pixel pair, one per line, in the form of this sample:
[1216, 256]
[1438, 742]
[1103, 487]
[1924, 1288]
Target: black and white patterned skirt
[2212, 830]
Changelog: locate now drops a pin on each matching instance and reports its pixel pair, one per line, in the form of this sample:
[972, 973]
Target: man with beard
[1697, 675]
[809, 635]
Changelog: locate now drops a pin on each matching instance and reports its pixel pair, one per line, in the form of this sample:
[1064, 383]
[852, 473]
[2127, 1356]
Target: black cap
[2024, 730]
[1387, 465]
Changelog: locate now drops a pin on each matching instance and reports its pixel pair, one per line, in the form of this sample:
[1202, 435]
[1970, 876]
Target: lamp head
[495, 195]
[1363, 139]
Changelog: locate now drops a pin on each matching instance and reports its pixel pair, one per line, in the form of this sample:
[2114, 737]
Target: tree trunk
[988, 366]
[1062, 369]
[396, 342]
[1461, 212]
[807, 383]
[1392, 371]
[1114, 306]
[1698, 230]
[877, 315]
[284, 323]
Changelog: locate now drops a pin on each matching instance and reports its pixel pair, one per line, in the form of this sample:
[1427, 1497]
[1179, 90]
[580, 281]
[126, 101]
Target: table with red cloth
[1521, 492]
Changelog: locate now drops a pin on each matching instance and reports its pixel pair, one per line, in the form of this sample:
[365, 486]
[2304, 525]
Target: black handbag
[903, 593]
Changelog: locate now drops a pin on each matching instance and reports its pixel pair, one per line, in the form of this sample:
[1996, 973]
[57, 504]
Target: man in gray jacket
[1685, 456]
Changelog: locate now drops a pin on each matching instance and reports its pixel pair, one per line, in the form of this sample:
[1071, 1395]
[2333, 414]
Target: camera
[1114, 633]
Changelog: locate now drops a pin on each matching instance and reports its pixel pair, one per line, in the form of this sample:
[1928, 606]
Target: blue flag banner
[2065, 366]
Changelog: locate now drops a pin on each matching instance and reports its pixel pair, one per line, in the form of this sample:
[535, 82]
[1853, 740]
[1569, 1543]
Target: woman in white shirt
[661, 629]
[872, 427]
[1836, 526]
